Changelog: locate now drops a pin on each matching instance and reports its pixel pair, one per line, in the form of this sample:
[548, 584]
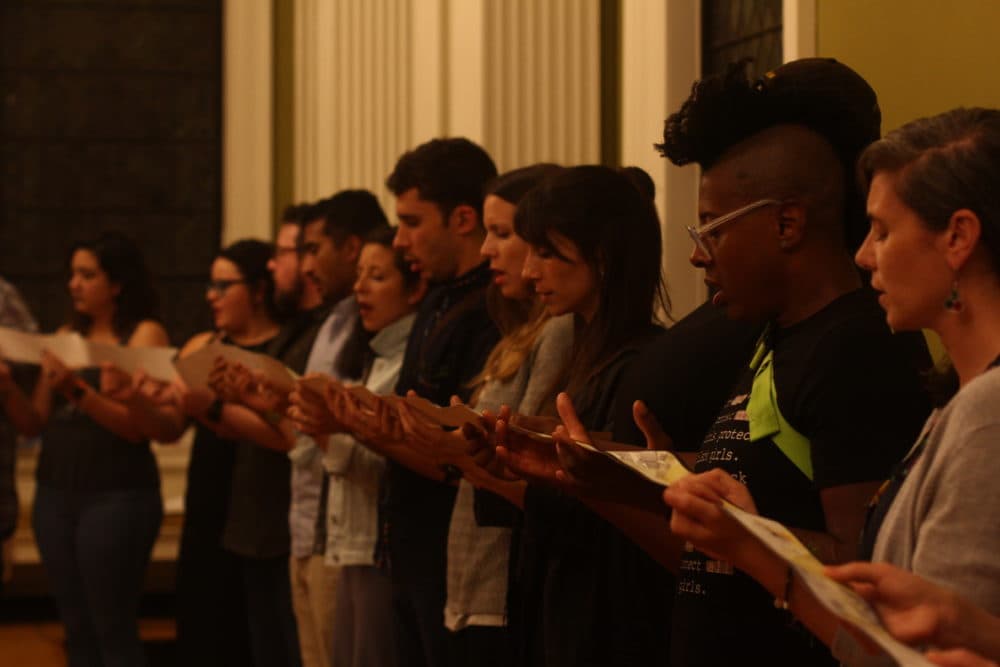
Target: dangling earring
[953, 303]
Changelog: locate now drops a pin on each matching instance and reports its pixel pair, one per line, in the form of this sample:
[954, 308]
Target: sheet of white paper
[27, 348]
[157, 362]
[194, 369]
[657, 466]
[838, 599]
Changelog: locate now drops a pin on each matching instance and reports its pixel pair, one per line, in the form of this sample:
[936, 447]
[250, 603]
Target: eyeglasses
[220, 286]
[698, 233]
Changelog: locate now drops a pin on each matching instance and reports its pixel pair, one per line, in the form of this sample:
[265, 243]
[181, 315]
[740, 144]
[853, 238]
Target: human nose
[488, 249]
[530, 270]
[865, 257]
[700, 257]
[400, 240]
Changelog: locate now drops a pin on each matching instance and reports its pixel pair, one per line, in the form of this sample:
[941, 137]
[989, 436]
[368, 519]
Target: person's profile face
[379, 288]
[563, 280]
[427, 243]
[284, 266]
[504, 249]
[90, 288]
[229, 297]
[328, 265]
[741, 267]
[906, 259]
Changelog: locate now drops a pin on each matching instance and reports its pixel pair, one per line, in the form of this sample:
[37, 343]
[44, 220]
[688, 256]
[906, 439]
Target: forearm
[511, 491]
[109, 413]
[405, 455]
[973, 628]
[828, 549]
[245, 424]
[772, 573]
[41, 399]
[21, 412]
[163, 423]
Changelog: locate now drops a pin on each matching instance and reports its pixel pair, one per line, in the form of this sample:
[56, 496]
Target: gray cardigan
[945, 522]
[478, 555]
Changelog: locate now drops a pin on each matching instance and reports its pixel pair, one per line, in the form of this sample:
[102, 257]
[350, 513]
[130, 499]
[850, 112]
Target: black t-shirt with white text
[852, 389]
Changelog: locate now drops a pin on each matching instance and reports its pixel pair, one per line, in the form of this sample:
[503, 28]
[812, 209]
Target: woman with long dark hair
[97, 508]
[580, 593]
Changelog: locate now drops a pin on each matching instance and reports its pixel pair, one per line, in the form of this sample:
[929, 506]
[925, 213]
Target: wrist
[214, 411]
[956, 624]
[75, 392]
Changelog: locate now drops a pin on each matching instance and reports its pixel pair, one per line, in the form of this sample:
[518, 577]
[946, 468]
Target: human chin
[515, 288]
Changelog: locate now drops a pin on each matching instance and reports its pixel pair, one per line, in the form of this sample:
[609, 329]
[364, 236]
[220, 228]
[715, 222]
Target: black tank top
[78, 454]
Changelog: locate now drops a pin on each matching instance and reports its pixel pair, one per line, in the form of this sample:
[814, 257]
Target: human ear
[791, 225]
[351, 248]
[465, 219]
[961, 238]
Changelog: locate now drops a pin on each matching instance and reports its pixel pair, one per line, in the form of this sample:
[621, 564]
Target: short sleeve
[860, 403]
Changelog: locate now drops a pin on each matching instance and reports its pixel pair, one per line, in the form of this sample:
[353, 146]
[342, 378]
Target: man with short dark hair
[330, 244]
[292, 293]
[439, 188]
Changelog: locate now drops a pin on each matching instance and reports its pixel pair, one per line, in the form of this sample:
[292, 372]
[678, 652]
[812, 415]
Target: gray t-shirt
[478, 555]
[942, 524]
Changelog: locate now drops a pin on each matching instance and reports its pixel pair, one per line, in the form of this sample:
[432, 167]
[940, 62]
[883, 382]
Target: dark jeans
[95, 548]
[479, 646]
[274, 638]
[418, 631]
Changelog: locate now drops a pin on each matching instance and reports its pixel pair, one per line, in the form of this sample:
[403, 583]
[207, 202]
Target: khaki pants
[314, 586]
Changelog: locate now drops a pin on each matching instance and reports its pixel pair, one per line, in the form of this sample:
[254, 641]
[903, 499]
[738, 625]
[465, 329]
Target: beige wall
[921, 56]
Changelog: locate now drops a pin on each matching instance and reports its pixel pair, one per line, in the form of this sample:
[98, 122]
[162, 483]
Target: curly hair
[820, 94]
[720, 112]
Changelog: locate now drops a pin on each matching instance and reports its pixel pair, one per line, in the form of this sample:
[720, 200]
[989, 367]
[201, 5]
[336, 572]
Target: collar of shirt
[331, 337]
[391, 340]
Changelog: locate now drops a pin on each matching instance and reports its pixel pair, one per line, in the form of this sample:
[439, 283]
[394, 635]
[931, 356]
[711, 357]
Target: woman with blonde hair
[521, 371]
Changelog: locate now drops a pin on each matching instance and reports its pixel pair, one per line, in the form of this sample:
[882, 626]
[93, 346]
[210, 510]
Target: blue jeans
[95, 548]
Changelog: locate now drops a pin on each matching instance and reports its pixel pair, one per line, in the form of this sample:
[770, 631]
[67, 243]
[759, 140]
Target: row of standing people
[542, 555]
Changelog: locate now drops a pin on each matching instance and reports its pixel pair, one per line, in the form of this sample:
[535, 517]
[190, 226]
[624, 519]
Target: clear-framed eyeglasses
[698, 233]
